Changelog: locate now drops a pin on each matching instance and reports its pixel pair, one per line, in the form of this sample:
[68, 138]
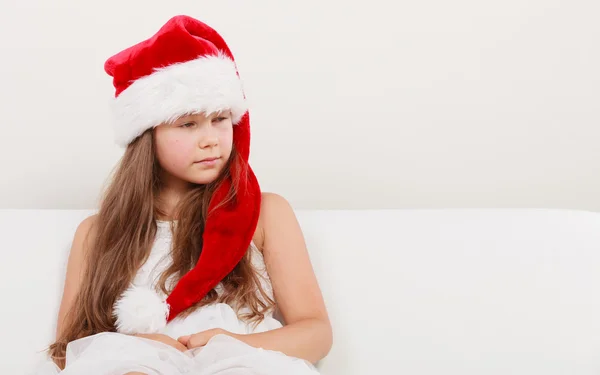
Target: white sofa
[409, 291]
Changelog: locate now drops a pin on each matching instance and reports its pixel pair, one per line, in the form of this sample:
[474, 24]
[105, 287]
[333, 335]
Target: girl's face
[194, 148]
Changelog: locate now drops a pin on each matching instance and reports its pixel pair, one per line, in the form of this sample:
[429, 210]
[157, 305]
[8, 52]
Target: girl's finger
[184, 339]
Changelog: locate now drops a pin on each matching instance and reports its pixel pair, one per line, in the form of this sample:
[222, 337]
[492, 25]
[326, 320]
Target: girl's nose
[208, 138]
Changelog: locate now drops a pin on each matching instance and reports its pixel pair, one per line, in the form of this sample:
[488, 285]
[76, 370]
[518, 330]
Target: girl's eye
[187, 125]
[219, 119]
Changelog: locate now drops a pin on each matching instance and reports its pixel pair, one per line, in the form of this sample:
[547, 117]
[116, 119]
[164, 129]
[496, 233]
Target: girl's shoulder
[84, 236]
[272, 207]
[86, 230]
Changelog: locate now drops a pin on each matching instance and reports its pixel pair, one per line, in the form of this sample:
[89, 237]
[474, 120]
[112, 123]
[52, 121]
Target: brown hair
[125, 228]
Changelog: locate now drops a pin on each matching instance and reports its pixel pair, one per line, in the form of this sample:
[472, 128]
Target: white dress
[111, 353]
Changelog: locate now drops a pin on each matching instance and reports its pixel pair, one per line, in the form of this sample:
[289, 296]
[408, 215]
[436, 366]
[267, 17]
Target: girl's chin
[205, 178]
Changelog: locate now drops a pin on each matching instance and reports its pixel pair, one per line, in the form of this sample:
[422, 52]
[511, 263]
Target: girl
[180, 269]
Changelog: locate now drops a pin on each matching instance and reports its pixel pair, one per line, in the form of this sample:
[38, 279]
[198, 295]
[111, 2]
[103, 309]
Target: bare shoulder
[84, 236]
[272, 207]
[273, 203]
[86, 224]
[85, 231]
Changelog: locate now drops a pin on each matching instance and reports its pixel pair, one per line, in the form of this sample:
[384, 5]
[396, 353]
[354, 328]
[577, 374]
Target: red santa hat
[186, 67]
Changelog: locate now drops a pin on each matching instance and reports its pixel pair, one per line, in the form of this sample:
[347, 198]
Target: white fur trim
[205, 85]
[140, 310]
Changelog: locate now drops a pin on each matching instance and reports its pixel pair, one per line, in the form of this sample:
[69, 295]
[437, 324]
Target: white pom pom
[140, 310]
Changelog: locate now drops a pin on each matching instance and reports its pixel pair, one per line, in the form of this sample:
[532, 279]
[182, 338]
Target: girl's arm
[75, 268]
[307, 333]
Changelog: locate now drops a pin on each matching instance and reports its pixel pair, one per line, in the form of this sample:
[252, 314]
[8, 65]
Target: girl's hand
[200, 339]
[164, 339]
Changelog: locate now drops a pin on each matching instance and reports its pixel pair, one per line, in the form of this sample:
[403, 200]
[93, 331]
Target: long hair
[124, 232]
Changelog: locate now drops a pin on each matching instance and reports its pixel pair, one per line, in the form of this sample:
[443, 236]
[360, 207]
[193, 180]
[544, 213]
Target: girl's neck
[169, 196]
[167, 202]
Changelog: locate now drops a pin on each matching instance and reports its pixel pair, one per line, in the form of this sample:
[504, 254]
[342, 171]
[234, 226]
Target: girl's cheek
[182, 150]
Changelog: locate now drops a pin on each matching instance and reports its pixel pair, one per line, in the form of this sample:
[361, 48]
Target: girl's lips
[208, 161]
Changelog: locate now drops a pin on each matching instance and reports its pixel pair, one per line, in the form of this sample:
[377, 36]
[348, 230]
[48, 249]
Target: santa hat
[186, 67]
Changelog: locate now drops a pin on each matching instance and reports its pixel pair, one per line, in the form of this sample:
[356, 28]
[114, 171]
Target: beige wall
[354, 104]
